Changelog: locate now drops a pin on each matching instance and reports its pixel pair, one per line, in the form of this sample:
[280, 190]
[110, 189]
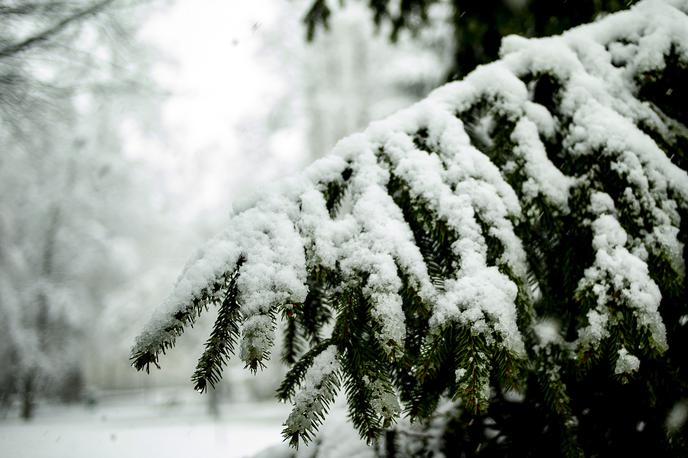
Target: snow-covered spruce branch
[550, 183]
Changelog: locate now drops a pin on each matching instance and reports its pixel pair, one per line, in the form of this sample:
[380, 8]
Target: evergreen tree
[501, 264]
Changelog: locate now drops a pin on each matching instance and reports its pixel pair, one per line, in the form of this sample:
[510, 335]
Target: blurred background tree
[68, 196]
[478, 25]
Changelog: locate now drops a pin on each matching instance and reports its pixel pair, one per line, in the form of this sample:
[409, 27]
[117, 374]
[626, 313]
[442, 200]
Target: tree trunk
[28, 396]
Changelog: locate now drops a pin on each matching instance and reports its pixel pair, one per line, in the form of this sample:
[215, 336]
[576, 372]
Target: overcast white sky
[216, 77]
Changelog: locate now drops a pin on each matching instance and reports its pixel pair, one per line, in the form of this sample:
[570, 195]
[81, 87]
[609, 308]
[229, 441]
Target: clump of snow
[483, 301]
[626, 363]
[460, 373]
[385, 403]
[544, 177]
[596, 330]
[548, 331]
[617, 274]
[601, 203]
[678, 415]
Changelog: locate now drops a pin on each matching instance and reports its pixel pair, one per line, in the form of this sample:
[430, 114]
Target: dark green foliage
[363, 362]
[220, 345]
[304, 322]
[316, 310]
[293, 343]
[663, 88]
[411, 388]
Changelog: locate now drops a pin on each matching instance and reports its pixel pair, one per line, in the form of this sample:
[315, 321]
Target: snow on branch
[428, 245]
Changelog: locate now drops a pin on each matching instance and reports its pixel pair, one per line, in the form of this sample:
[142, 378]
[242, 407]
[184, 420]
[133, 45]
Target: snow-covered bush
[502, 263]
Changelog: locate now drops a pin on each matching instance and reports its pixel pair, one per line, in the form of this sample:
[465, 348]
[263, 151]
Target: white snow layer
[618, 275]
[626, 363]
[288, 230]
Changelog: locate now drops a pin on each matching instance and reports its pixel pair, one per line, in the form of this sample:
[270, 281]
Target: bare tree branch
[48, 33]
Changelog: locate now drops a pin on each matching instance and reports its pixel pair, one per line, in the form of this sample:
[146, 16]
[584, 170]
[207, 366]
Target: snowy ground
[137, 426]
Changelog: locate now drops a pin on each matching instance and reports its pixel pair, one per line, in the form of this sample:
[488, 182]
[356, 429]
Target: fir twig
[220, 346]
